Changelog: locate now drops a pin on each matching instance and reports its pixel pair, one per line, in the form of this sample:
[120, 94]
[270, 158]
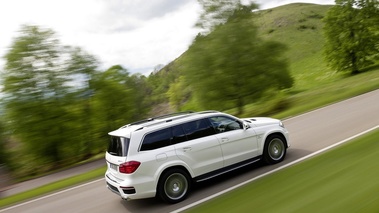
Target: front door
[237, 144]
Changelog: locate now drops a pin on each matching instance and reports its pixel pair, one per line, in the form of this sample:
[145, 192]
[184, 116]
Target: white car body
[200, 158]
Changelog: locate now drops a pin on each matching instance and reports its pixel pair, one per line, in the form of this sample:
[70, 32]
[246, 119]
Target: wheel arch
[173, 166]
[272, 154]
[161, 188]
[176, 167]
[280, 134]
[263, 137]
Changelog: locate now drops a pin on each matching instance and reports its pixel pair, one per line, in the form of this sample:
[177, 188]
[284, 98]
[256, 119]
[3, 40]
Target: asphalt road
[309, 133]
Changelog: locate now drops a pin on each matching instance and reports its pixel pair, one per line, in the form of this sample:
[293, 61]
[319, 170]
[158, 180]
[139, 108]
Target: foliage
[352, 36]
[215, 12]
[178, 93]
[234, 65]
[138, 83]
[58, 106]
[37, 78]
[304, 51]
[3, 154]
[305, 47]
[117, 100]
[159, 83]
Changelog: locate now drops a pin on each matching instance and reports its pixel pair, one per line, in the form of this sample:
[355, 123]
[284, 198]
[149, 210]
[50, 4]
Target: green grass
[299, 26]
[293, 102]
[344, 179]
[330, 93]
[55, 186]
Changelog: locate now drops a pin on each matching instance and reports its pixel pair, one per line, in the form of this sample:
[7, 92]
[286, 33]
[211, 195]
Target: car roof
[162, 120]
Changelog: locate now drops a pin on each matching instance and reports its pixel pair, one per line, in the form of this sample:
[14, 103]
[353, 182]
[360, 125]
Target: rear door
[197, 146]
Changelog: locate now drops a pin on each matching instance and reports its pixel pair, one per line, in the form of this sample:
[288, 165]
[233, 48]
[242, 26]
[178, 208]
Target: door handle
[224, 139]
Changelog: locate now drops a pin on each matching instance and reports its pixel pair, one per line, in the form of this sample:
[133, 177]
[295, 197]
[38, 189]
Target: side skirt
[227, 169]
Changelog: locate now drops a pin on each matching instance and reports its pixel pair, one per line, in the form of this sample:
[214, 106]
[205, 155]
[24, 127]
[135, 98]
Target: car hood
[261, 121]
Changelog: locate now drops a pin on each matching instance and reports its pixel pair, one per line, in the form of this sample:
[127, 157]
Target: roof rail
[185, 114]
[159, 117]
[208, 111]
[167, 116]
[173, 114]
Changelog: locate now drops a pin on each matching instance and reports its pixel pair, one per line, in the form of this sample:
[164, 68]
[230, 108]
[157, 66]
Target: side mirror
[246, 125]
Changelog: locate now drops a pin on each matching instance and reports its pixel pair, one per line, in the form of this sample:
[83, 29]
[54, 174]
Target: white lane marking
[272, 171]
[50, 195]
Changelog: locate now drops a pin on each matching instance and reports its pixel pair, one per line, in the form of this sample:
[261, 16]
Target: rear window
[156, 140]
[177, 134]
[118, 146]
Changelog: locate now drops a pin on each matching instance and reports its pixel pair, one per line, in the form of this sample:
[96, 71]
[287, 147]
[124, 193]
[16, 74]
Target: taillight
[129, 167]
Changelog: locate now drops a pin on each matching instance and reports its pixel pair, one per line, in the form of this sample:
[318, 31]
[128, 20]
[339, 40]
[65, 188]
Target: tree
[83, 67]
[138, 84]
[160, 82]
[178, 93]
[352, 36]
[39, 83]
[232, 66]
[116, 100]
[215, 12]
[3, 158]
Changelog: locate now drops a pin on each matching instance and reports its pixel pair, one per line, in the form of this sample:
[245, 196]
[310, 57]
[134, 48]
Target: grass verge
[332, 92]
[55, 186]
[341, 180]
[293, 103]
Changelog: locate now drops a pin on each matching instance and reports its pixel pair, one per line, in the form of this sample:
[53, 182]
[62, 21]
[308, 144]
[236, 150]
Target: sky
[137, 34]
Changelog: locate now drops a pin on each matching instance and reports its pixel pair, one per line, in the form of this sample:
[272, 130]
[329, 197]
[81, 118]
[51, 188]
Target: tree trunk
[240, 106]
[354, 66]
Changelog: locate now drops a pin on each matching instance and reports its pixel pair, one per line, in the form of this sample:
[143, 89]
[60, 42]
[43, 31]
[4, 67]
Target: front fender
[264, 132]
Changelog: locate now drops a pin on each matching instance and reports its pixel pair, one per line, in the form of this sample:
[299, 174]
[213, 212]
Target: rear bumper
[113, 189]
[128, 190]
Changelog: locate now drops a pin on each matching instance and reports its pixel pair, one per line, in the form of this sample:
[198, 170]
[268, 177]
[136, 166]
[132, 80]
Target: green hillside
[299, 26]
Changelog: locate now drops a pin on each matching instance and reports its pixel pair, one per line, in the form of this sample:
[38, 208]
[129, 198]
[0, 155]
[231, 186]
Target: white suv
[162, 156]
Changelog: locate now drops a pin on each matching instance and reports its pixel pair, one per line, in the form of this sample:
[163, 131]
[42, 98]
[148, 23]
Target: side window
[155, 140]
[178, 134]
[197, 129]
[225, 124]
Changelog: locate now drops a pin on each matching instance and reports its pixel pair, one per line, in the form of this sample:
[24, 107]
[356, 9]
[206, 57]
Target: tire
[274, 150]
[174, 186]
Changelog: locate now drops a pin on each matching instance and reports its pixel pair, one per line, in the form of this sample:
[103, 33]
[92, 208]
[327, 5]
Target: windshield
[118, 146]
